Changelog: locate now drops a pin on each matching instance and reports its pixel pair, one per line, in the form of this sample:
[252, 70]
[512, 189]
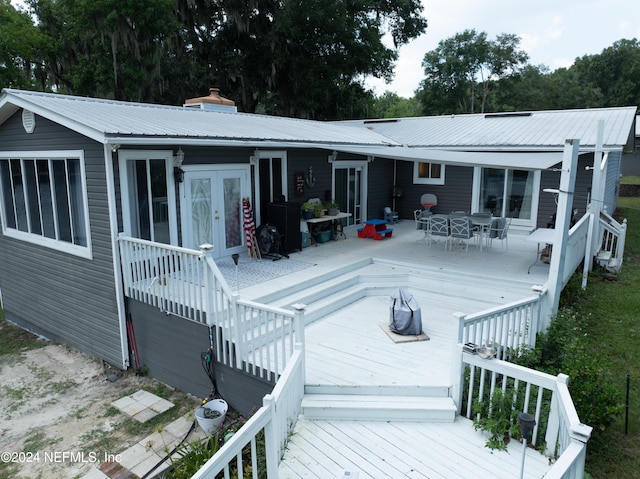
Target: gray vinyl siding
[301, 160]
[612, 188]
[454, 195]
[550, 178]
[63, 297]
[380, 188]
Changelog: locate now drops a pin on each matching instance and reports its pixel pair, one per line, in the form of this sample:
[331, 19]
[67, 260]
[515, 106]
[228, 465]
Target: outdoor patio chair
[499, 229]
[439, 227]
[390, 216]
[461, 231]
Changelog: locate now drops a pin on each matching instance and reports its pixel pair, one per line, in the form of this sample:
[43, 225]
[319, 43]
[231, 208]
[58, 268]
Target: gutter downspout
[115, 256]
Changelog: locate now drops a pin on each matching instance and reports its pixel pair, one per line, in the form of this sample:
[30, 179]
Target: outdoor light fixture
[527, 422]
[235, 257]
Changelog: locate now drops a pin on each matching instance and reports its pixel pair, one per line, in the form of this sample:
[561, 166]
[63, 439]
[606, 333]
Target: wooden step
[379, 390]
[350, 407]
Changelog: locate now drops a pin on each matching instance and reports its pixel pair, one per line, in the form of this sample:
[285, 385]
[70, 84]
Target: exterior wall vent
[28, 121]
[213, 102]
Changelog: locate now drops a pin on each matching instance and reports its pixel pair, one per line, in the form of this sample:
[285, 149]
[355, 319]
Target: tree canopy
[305, 58]
[302, 58]
[468, 73]
[462, 68]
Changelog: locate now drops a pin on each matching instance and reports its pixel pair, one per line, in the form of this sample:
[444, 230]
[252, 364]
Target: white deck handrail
[544, 396]
[576, 248]
[277, 418]
[612, 240]
[507, 327]
[254, 337]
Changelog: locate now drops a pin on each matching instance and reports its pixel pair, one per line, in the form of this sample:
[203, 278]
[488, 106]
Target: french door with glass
[211, 209]
[349, 189]
[509, 193]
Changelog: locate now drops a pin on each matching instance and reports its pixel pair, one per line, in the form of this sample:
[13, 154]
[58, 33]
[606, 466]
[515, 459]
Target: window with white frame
[427, 173]
[43, 199]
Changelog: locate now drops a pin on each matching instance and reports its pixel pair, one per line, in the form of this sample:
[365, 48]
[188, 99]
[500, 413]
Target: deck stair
[378, 403]
[328, 293]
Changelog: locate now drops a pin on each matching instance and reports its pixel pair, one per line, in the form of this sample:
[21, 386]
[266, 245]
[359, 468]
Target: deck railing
[558, 431]
[264, 340]
[186, 283]
[576, 248]
[506, 328]
[171, 278]
[613, 235]
[277, 418]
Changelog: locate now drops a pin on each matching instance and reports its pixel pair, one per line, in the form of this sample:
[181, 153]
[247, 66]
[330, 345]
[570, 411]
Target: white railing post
[271, 441]
[457, 376]
[298, 320]
[461, 317]
[207, 252]
[239, 330]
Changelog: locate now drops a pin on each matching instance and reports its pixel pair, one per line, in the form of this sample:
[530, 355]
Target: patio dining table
[483, 223]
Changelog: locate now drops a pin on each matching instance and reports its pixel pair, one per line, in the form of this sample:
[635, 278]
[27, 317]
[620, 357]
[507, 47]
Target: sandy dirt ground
[55, 415]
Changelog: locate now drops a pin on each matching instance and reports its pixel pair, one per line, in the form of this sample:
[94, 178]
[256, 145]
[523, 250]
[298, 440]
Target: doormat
[400, 338]
[251, 271]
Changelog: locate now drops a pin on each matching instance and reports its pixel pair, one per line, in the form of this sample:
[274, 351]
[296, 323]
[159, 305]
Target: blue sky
[552, 32]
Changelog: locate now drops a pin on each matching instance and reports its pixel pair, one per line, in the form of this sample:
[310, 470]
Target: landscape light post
[527, 422]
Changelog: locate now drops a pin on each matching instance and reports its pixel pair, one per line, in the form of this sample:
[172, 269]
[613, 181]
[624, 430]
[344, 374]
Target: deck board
[322, 449]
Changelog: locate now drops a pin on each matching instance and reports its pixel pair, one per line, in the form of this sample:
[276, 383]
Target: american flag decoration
[250, 229]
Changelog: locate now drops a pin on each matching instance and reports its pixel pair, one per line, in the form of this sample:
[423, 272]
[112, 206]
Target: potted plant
[318, 210]
[307, 210]
[332, 208]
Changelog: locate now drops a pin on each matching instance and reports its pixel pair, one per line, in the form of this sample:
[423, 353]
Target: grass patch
[110, 411]
[16, 340]
[37, 441]
[612, 331]
[8, 470]
[101, 442]
[630, 180]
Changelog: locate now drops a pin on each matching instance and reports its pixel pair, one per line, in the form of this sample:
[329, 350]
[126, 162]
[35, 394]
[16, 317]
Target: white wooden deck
[325, 449]
[348, 348]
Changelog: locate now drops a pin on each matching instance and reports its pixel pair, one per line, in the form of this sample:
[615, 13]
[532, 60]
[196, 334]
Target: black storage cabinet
[286, 218]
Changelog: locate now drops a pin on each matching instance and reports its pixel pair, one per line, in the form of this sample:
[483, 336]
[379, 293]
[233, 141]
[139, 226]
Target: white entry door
[211, 210]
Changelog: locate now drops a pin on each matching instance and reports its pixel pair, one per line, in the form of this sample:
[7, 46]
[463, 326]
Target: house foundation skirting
[170, 347]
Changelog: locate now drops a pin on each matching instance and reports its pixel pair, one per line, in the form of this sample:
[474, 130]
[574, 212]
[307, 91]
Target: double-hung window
[427, 173]
[43, 199]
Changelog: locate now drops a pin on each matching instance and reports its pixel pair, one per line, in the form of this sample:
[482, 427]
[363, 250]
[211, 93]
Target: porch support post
[115, 248]
[597, 194]
[563, 220]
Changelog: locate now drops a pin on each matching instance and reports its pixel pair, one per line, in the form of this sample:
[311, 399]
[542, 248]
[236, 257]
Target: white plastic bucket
[210, 424]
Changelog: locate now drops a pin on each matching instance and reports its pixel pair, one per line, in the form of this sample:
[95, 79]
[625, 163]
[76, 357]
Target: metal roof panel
[536, 129]
[108, 118]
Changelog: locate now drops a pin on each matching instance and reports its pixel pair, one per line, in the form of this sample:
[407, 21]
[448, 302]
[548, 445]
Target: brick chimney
[212, 102]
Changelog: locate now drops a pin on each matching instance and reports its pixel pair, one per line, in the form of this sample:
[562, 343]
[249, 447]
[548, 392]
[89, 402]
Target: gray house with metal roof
[75, 173]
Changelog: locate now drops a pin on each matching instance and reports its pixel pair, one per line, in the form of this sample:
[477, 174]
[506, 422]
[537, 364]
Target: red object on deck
[376, 229]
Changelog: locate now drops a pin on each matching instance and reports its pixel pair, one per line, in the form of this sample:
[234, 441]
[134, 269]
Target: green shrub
[564, 348]
[498, 417]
